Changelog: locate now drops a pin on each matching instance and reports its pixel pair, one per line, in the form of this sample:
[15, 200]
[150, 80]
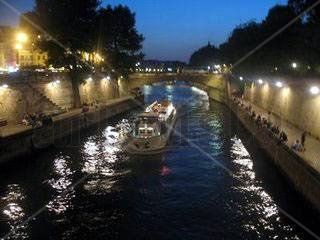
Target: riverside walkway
[311, 155]
[15, 129]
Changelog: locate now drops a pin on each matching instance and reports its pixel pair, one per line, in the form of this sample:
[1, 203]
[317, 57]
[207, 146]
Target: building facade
[17, 50]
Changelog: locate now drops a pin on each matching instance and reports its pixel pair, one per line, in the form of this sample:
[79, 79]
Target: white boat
[152, 128]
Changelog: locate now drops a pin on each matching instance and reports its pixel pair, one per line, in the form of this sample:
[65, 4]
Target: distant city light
[209, 67]
[314, 90]
[294, 65]
[18, 46]
[279, 84]
[241, 78]
[108, 78]
[12, 69]
[55, 83]
[22, 37]
[260, 81]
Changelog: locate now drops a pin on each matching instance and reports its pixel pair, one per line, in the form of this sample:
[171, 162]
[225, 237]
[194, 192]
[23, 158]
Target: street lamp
[241, 78]
[22, 37]
[279, 84]
[260, 81]
[314, 90]
[294, 65]
[18, 46]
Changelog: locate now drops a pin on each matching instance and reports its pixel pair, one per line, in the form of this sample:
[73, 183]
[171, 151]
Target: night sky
[175, 28]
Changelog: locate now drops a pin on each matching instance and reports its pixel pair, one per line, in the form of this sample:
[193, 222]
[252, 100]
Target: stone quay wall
[305, 179]
[50, 93]
[30, 140]
[292, 103]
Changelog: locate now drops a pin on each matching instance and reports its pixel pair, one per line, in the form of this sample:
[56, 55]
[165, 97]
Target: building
[18, 50]
[31, 58]
[8, 58]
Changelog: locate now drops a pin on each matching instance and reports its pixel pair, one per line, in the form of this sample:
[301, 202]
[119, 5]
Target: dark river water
[212, 182]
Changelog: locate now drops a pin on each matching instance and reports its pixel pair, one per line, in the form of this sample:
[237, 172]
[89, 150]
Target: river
[212, 182]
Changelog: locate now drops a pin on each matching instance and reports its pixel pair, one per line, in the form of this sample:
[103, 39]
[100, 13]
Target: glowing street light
[22, 37]
[18, 46]
[4, 86]
[279, 84]
[260, 81]
[241, 78]
[314, 90]
[294, 65]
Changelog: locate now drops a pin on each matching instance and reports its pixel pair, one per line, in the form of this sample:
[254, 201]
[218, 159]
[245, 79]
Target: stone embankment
[18, 140]
[304, 177]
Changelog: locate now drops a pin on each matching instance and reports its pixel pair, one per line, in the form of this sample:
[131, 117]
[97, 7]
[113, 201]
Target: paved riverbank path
[312, 145]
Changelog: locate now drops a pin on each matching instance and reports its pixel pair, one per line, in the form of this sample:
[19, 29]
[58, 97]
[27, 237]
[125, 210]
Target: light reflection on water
[11, 204]
[180, 193]
[265, 205]
[61, 182]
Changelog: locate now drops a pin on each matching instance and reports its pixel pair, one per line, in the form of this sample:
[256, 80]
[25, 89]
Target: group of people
[36, 119]
[136, 92]
[298, 145]
[86, 106]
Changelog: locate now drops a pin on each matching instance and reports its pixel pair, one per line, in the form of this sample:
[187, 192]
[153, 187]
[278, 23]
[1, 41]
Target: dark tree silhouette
[118, 38]
[298, 43]
[205, 56]
[69, 27]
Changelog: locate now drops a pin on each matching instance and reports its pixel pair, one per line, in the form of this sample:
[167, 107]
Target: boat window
[141, 131]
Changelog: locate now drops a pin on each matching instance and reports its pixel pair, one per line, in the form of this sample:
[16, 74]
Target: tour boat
[152, 128]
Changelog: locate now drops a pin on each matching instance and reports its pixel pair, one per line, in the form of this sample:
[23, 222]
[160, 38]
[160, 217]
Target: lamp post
[21, 38]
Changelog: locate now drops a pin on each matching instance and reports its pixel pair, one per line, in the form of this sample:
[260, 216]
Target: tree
[286, 47]
[243, 39]
[68, 30]
[300, 6]
[204, 56]
[311, 25]
[118, 38]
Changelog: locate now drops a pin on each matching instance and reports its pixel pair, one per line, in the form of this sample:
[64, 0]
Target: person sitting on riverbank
[269, 125]
[297, 146]
[26, 119]
[283, 137]
[85, 108]
[253, 115]
[258, 120]
[275, 130]
[264, 121]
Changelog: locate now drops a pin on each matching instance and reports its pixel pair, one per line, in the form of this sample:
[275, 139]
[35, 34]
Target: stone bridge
[216, 86]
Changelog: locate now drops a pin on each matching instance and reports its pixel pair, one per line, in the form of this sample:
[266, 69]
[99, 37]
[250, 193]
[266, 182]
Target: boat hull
[151, 145]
